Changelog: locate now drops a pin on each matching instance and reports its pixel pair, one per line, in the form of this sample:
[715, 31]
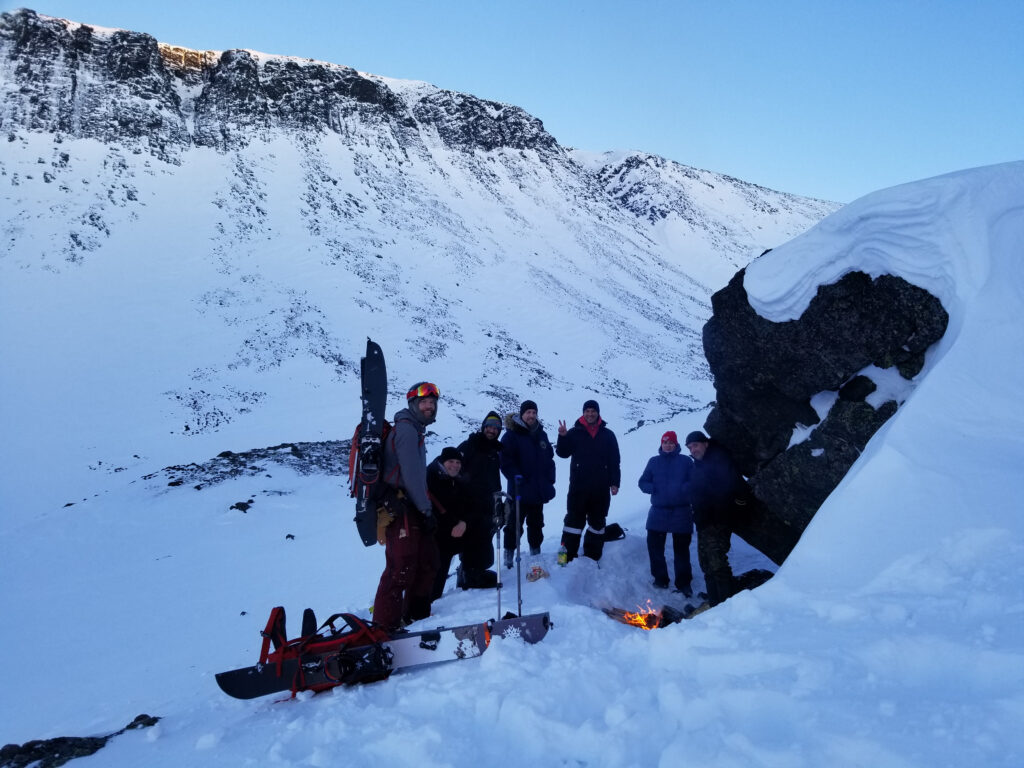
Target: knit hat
[592, 404]
[492, 419]
[670, 435]
[696, 437]
[450, 453]
[528, 405]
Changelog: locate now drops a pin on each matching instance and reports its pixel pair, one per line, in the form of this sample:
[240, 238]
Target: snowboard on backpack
[367, 449]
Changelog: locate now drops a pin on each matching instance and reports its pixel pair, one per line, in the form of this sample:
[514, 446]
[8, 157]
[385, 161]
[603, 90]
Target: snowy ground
[893, 636]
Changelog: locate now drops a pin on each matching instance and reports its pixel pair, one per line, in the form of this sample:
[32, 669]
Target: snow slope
[893, 636]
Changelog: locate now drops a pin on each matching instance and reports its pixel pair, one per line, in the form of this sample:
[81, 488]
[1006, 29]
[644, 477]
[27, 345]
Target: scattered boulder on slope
[50, 753]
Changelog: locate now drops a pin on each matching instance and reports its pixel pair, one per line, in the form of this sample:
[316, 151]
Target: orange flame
[645, 618]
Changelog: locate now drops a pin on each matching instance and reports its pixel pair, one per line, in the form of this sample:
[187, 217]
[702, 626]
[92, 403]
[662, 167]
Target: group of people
[433, 512]
[700, 490]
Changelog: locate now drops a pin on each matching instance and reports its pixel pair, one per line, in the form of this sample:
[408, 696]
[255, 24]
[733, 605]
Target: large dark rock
[766, 373]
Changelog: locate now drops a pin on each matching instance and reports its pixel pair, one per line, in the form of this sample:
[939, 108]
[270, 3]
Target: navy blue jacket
[528, 453]
[715, 485]
[667, 479]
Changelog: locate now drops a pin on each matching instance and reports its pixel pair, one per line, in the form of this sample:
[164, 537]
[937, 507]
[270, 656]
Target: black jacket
[481, 464]
[595, 460]
[450, 498]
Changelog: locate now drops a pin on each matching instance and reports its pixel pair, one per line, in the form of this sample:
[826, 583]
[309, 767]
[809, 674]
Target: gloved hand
[384, 519]
[429, 521]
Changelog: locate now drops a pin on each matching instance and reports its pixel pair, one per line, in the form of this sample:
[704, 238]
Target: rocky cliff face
[767, 376]
[116, 85]
[82, 84]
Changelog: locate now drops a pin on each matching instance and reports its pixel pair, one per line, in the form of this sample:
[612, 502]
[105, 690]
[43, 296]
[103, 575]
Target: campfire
[647, 617]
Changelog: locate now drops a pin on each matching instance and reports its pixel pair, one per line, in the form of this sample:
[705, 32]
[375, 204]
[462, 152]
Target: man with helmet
[411, 557]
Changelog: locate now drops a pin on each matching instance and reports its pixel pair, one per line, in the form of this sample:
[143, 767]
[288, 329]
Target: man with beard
[526, 452]
[481, 464]
[594, 477]
[403, 595]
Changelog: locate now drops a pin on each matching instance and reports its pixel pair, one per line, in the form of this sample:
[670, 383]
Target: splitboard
[365, 467]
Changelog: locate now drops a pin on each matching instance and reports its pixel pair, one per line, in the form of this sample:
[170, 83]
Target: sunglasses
[424, 390]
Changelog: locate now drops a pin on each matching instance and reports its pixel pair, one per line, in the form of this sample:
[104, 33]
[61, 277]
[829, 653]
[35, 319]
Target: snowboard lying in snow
[360, 652]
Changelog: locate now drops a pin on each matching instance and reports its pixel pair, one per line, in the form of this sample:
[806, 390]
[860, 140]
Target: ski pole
[519, 556]
[498, 518]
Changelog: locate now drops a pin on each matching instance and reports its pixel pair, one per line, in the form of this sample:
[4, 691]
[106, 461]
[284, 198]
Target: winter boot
[418, 608]
[571, 541]
[719, 586]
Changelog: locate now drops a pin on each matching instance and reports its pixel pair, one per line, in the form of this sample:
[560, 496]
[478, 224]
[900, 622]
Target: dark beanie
[592, 404]
[528, 405]
[450, 453]
[492, 419]
[696, 437]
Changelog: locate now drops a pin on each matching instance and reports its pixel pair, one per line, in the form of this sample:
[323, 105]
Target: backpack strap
[360, 632]
[274, 633]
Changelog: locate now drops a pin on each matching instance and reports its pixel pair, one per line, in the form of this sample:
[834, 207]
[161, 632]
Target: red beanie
[670, 435]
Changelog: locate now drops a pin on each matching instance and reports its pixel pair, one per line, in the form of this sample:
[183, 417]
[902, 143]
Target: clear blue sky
[827, 98]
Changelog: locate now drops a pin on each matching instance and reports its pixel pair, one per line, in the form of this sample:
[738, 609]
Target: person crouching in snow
[451, 502]
[667, 479]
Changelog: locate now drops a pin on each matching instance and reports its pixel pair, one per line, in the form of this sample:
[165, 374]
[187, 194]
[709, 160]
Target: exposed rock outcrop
[50, 753]
[767, 373]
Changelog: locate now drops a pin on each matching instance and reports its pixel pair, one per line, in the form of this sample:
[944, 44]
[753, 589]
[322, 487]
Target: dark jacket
[714, 487]
[528, 453]
[405, 459]
[595, 460]
[481, 464]
[667, 479]
[450, 497]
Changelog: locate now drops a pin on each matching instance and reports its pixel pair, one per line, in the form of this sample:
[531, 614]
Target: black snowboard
[374, 377]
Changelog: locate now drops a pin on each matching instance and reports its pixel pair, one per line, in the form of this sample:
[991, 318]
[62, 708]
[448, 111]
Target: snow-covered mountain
[198, 243]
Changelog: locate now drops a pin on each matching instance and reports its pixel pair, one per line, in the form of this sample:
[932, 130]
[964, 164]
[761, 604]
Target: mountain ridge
[447, 227]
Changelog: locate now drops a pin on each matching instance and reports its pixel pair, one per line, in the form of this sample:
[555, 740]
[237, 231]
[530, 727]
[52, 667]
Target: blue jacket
[667, 479]
[528, 453]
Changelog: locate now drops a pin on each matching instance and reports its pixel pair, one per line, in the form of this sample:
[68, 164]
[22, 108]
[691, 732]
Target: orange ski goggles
[426, 389]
